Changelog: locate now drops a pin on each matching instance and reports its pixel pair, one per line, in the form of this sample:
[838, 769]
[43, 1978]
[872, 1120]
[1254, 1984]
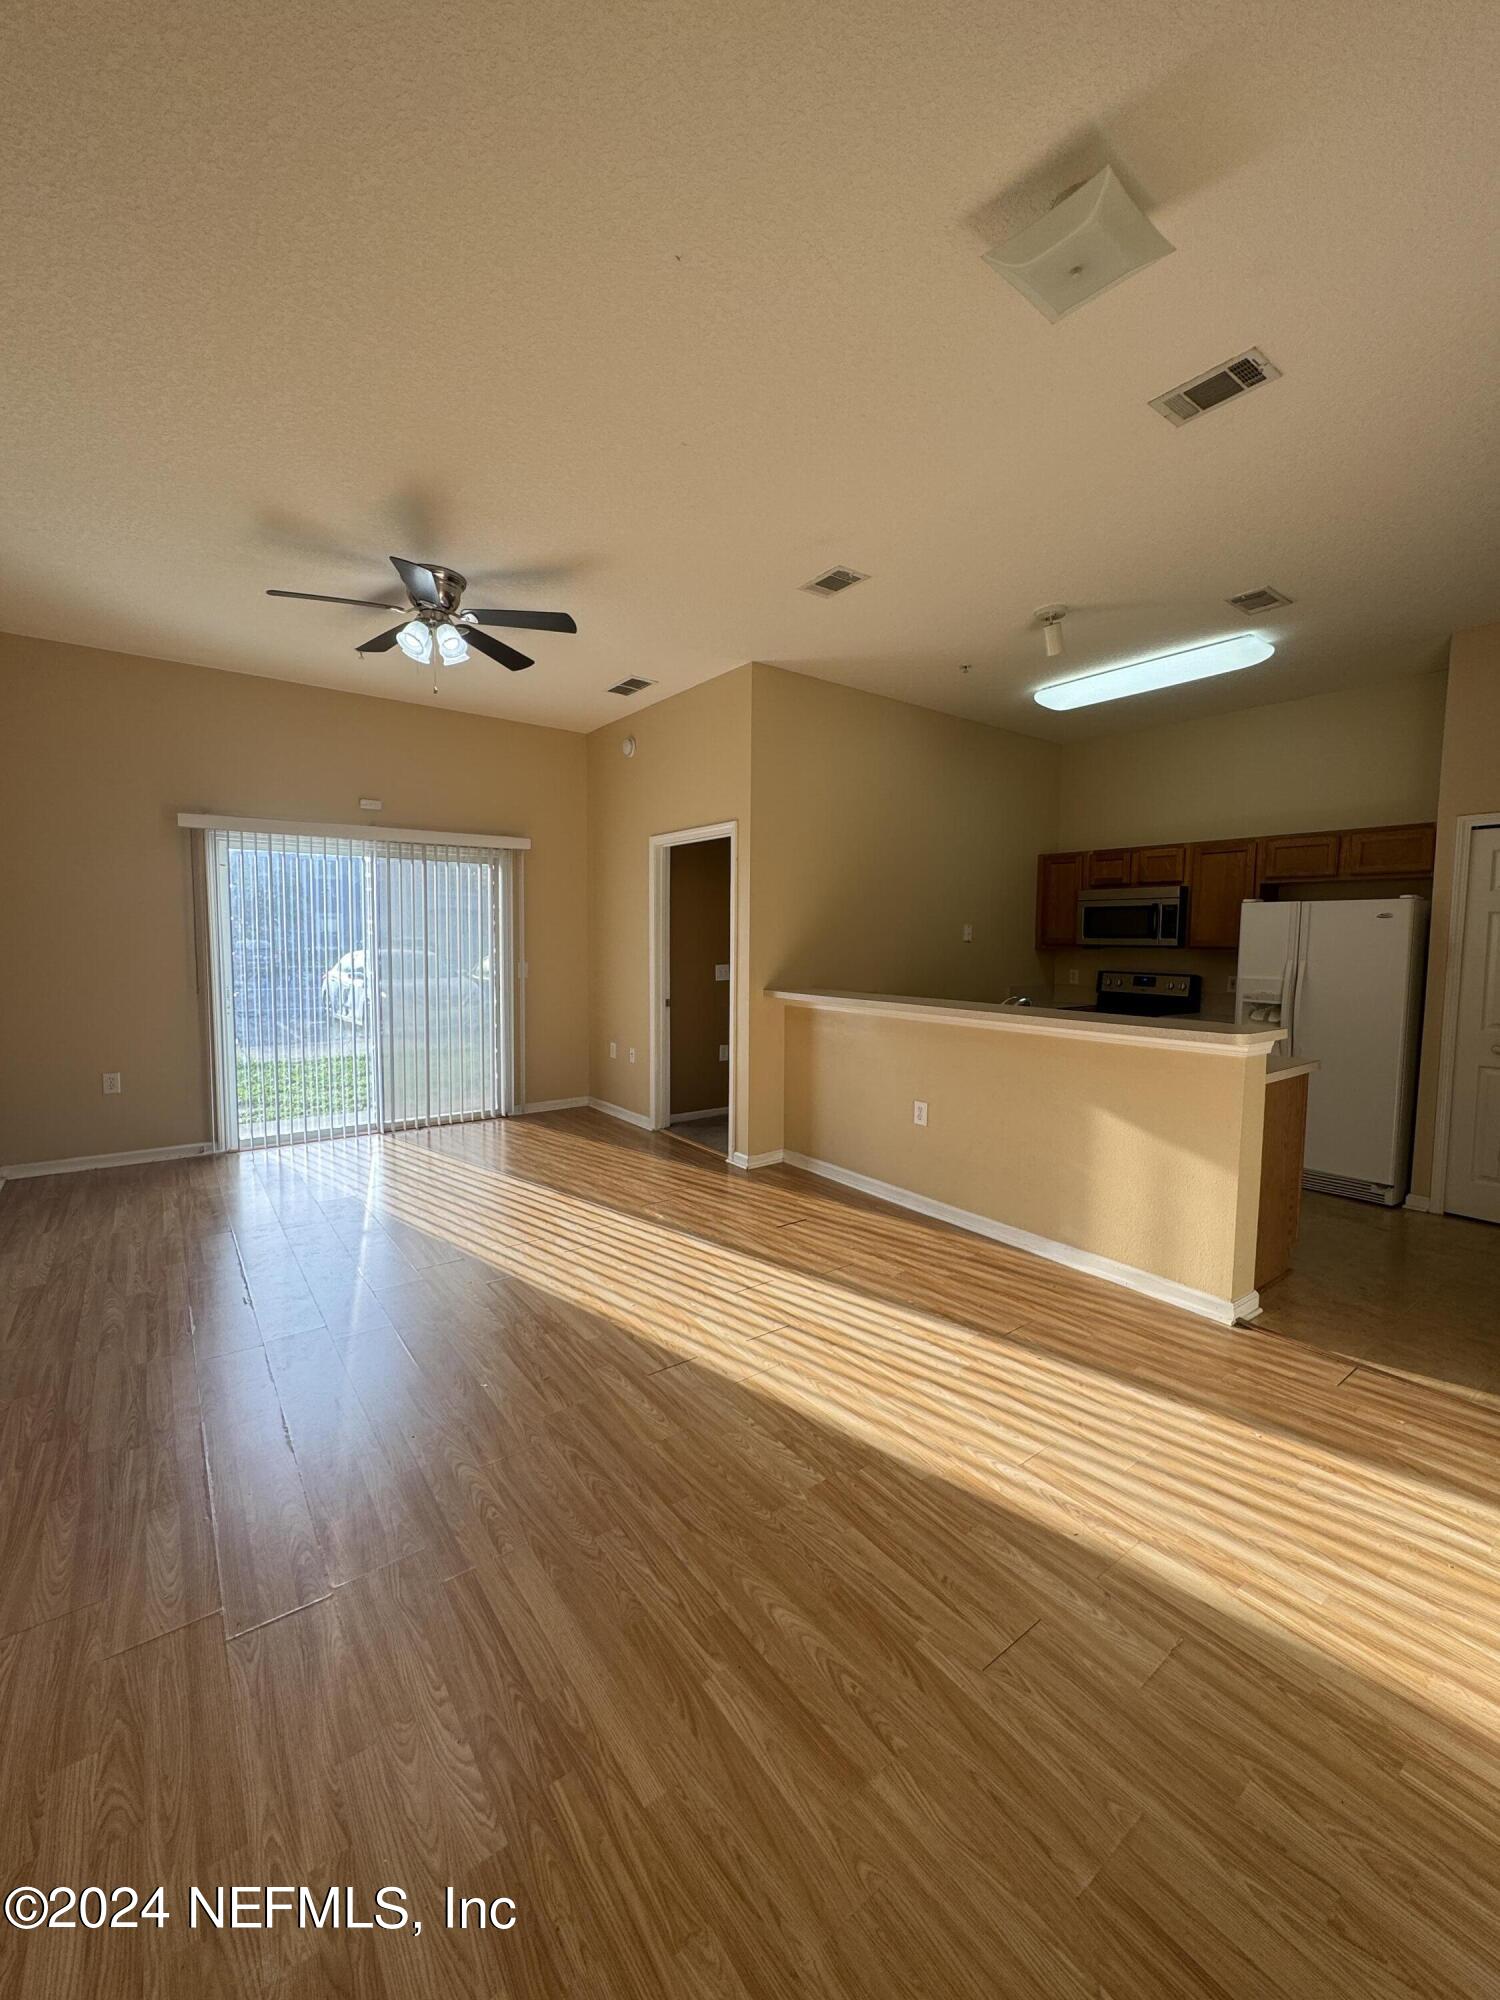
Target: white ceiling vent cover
[1091, 239]
[1264, 599]
[832, 581]
[1220, 385]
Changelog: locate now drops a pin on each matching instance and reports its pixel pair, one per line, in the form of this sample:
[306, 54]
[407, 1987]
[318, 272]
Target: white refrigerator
[1344, 979]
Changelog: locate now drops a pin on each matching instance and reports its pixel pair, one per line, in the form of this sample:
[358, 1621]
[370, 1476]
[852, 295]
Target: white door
[1474, 1117]
[1356, 995]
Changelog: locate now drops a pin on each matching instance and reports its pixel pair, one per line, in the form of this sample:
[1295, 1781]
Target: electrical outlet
[111, 1083]
[723, 1052]
[632, 1055]
[919, 1112]
[1073, 976]
[1229, 983]
[968, 933]
[614, 1050]
[721, 974]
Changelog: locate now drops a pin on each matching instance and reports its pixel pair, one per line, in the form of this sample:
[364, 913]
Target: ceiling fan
[436, 628]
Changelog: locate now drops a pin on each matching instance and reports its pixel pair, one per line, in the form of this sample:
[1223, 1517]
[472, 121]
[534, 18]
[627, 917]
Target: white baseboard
[752, 1160]
[554, 1104]
[1223, 1311]
[687, 1117]
[636, 1118]
[1419, 1204]
[86, 1163]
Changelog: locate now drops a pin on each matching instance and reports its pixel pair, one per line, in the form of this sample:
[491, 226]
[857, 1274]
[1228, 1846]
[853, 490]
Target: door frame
[1458, 911]
[659, 919]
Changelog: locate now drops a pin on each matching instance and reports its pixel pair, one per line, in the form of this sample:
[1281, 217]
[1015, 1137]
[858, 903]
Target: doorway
[693, 986]
[358, 984]
[1469, 1144]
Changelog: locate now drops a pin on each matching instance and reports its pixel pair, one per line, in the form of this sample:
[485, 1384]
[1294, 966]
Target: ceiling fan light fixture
[1161, 670]
[415, 641]
[450, 644]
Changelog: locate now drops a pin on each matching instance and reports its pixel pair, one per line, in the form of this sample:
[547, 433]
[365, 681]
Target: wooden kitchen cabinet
[1299, 857]
[1059, 881]
[1159, 867]
[1221, 876]
[1388, 850]
[1108, 868]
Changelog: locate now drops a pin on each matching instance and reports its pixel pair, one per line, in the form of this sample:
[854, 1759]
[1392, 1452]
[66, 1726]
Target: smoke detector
[1220, 385]
[1090, 239]
[1263, 599]
[832, 581]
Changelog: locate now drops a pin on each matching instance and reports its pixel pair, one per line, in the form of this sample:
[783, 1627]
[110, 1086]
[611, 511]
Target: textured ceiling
[667, 307]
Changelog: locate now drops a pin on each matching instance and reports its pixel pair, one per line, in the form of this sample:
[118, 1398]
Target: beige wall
[691, 768]
[1470, 784]
[1150, 1157]
[699, 905]
[1366, 757]
[880, 831]
[98, 754]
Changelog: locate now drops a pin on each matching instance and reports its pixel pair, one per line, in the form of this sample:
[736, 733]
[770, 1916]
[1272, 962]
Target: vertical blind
[358, 985]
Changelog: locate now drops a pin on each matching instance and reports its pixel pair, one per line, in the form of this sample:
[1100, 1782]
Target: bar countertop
[1196, 1036]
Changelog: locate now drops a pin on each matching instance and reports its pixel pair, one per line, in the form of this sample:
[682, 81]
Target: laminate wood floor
[772, 1593]
[1415, 1293]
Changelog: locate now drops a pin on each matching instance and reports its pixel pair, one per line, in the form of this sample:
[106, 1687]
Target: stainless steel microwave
[1132, 916]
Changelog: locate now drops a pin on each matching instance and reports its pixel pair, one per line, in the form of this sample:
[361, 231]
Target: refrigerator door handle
[1299, 981]
[1289, 1004]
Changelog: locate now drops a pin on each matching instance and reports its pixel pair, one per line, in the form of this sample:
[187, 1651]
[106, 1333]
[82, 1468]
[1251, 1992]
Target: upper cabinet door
[1299, 857]
[1159, 867]
[1059, 879]
[1221, 876]
[1388, 850]
[1109, 868]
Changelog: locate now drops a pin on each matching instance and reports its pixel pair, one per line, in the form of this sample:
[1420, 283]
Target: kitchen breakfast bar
[1165, 1155]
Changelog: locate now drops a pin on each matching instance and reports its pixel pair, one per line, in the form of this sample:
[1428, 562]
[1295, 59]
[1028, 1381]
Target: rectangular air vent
[1220, 385]
[832, 581]
[631, 686]
[1259, 600]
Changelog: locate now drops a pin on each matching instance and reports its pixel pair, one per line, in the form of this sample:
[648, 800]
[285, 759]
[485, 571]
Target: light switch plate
[614, 1050]
[968, 933]
[721, 973]
[723, 1052]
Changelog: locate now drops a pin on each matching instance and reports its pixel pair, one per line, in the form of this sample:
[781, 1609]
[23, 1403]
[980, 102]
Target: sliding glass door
[358, 985]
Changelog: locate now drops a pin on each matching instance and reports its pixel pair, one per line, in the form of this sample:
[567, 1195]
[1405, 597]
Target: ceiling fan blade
[526, 621]
[495, 648]
[383, 641]
[421, 584]
[315, 597]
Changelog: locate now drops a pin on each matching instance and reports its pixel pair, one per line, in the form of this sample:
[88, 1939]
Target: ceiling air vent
[631, 686]
[1259, 600]
[1220, 385]
[832, 581]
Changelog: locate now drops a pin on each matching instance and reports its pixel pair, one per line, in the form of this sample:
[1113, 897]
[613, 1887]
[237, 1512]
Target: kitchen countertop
[1194, 1035]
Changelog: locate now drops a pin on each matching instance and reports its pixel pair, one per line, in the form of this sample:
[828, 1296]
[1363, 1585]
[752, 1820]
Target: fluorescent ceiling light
[415, 641]
[1163, 670]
